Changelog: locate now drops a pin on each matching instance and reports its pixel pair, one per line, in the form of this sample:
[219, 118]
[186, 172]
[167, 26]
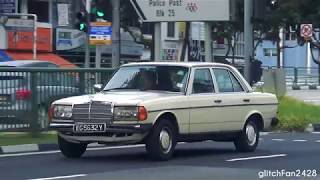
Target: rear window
[12, 81]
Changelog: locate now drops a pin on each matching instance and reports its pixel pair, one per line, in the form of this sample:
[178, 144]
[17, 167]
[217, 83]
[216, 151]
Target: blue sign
[8, 6]
[100, 33]
[100, 30]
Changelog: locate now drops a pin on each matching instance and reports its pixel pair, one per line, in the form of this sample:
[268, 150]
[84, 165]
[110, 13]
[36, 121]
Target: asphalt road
[285, 153]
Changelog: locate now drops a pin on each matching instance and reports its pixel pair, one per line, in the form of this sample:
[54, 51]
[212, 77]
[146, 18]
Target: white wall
[3, 38]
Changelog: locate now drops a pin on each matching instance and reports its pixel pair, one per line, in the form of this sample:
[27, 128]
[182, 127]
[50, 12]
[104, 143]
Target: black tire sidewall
[153, 144]
[242, 143]
[71, 150]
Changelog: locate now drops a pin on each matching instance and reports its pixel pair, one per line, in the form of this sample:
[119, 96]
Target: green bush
[295, 115]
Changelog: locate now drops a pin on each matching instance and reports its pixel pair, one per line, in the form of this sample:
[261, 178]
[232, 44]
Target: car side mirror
[98, 87]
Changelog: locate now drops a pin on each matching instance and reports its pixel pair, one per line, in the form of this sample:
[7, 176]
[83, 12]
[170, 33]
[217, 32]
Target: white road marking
[277, 139]
[299, 140]
[318, 141]
[257, 157]
[315, 132]
[61, 177]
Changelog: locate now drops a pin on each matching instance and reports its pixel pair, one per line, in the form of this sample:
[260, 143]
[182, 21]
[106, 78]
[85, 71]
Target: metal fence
[300, 76]
[26, 93]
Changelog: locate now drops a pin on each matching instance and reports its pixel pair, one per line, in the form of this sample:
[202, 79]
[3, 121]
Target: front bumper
[128, 133]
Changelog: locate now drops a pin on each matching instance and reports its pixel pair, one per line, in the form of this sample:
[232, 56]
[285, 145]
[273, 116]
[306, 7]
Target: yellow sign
[100, 33]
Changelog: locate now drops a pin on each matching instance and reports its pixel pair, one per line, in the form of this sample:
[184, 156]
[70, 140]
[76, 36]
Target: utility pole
[281, 46]
[87, 43]
[248, 37]
[116, 46]
[157, 41]
[208, 42]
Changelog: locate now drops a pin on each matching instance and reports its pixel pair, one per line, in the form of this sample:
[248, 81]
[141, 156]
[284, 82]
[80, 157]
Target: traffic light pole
[248, 37]
[87, 44]
[116, 46]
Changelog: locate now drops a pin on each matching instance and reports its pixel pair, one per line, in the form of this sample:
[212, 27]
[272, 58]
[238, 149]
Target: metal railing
[300, 76]
[26, 93]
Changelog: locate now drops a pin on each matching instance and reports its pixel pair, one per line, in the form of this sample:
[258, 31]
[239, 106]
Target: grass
[295, 115]
[26, 138]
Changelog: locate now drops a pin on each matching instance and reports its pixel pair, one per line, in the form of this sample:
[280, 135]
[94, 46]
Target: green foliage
[25, 138]
[295, 115]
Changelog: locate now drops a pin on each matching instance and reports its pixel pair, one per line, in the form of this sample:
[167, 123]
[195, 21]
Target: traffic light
[273, 4]
[81, 22]
[99, 9]
[264, 8]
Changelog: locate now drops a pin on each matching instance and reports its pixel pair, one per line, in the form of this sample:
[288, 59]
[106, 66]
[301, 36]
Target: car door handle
[217, 101]
[246, 100]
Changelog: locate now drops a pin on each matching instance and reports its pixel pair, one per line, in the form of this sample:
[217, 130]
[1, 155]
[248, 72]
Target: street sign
[182, 10]
[100, 33]
[8, 6]
[306, 30]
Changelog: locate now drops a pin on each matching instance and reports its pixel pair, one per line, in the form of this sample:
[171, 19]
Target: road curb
[313, 128]
[316, 127]
[25, 148]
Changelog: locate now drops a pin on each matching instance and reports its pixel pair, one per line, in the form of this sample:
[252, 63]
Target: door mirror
[98, 87]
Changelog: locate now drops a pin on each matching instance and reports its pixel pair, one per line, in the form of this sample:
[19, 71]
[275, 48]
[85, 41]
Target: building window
[291, 34]
[270, 52]
[40, 8]
[171, 30]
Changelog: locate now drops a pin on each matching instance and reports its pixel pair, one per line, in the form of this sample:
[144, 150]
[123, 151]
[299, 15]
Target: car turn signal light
[142, 113]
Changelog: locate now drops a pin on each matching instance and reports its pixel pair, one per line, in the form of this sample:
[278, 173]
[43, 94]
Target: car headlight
[62, 111]
[130, 113]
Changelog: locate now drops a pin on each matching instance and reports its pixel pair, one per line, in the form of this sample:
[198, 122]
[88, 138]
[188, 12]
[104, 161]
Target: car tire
[248, 139]
[71, 150]
[161, 141]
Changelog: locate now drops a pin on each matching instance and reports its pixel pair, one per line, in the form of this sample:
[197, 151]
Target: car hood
[118, 98]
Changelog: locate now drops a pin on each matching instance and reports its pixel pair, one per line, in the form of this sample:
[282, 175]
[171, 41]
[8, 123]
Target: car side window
[202, 82]
[236, 84]
[226, 81]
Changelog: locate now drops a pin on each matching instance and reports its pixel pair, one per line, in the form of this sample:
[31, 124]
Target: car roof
[185, 64]
[22, 63]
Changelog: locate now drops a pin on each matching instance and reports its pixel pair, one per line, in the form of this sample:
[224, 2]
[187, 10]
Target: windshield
[160, 78]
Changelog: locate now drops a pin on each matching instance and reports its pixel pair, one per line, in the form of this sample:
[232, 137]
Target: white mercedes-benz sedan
[162, 103]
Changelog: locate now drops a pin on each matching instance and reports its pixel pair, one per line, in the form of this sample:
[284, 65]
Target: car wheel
[161, 141]
[43, 117]
[248, 139]
[71, 150]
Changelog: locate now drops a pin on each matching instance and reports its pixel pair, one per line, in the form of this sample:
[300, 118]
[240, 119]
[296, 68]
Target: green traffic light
[100, 14]
[82, 26]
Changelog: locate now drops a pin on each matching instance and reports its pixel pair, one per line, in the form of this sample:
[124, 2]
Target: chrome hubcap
[165, 140]
[251, 134]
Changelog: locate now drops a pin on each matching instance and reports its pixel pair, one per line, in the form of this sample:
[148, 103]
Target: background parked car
[16, 91]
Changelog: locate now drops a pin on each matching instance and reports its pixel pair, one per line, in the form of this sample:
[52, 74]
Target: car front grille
[92, 112]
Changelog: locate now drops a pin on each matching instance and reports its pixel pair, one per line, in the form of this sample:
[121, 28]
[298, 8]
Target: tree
[131, 23]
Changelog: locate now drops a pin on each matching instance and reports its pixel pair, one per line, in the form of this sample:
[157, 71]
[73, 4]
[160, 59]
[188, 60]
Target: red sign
[306, 30]
[22, 40]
